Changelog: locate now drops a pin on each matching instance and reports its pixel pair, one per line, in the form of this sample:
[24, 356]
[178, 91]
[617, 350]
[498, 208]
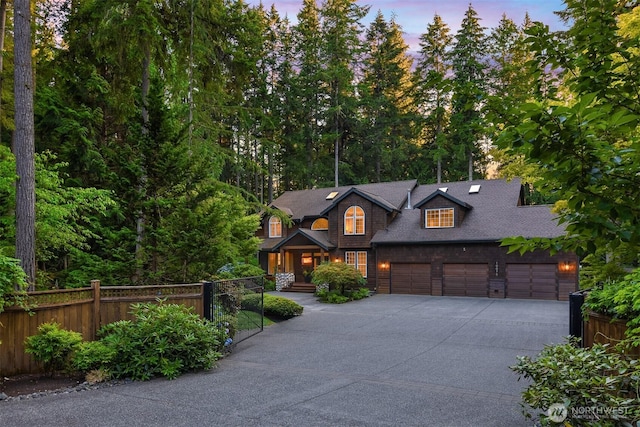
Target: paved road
[389, 360]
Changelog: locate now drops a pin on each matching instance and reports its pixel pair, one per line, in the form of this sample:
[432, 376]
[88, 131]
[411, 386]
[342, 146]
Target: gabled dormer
[441, 210]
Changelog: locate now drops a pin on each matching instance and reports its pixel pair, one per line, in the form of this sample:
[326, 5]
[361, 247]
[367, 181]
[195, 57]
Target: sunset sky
[415, 15]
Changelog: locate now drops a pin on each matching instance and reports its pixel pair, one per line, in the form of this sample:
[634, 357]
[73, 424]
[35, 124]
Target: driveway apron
[388, 360]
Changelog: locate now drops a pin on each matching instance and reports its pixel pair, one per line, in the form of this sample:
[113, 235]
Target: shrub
[93, 355]
[274, 306]
[53, 346]
[338, 275]
[163, 339]
[13, 282]
[587, 383]
[239, 270]
[280, 307]
[335, 297]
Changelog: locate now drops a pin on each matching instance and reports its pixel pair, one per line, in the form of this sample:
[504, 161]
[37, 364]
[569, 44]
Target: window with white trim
[357, 259]
[275, 227]
[354, 220]
[439, 218]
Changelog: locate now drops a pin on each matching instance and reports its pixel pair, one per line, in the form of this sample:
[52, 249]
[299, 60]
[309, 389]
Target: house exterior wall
[492, 254]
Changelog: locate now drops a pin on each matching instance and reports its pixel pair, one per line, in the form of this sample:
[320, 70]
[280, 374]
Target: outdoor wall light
[384, 266]
[566, 266]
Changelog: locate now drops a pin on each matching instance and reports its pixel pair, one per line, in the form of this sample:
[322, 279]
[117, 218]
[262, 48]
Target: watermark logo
[557, 412]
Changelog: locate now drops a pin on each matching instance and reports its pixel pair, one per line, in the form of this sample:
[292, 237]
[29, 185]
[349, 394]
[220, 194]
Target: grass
[251, 320]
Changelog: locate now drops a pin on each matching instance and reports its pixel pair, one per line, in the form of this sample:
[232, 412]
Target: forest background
[163, 129]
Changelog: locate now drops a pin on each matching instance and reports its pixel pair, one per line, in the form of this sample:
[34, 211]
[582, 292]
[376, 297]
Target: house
[437, 239]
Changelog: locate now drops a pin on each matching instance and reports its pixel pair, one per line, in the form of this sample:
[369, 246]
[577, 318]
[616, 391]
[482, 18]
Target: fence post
[95, 284]
[576, 321]
[207, 296]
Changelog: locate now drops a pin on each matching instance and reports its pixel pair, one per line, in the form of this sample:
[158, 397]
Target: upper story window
[354, 220]
[320, 224]
[439, 218]
[275, 227]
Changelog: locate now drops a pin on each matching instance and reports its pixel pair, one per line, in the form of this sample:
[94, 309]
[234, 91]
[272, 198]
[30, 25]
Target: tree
[388, 110]
[433, 88]
[341, 29]
[585, 137]
[23, 141]
[467, 58]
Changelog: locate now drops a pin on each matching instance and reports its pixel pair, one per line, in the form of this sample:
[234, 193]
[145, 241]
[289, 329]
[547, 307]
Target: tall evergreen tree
[433, 88]
[388, 107]
[340, 52]
[469, 93]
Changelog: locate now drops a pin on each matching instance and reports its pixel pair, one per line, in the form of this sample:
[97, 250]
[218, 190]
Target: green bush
[13, 282]
[163, 339]
[274, 306]
[53, 346]
[620, 300]
[335, 297]
[280, 307]
[239, 270]
[93, 355]
[338, 275]
[586, 382]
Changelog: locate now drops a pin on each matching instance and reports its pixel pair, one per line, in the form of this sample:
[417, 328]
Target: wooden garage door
[411, 279]
[537, 281]
[470, 280]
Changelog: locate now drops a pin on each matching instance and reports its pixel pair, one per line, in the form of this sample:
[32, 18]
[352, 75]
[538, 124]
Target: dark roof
[313, 203]
[317, 237]
[446, 195]
[496, 214]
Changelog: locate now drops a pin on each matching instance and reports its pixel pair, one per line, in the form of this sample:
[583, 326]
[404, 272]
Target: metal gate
[235, 304]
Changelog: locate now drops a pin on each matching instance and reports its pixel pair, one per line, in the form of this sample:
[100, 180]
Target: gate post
[207, 300]
[576, 322]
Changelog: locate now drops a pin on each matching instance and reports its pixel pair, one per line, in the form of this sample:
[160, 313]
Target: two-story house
[438, 239]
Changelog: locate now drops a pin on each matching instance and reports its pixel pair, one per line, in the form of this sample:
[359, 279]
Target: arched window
[275, 227]
[320, 224]
[354, 220]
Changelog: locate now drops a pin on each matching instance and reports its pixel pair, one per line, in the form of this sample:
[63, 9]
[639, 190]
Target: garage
[465, 280]
[411, 279]
[537, 281]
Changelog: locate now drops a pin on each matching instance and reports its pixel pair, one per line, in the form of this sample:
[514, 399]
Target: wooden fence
[83, 310]
[601, 329]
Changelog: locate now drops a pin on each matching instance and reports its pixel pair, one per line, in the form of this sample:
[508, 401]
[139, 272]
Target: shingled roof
[496, 213]
[314, 203]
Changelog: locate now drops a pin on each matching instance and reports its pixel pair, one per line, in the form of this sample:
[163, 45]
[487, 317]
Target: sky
[415, 15]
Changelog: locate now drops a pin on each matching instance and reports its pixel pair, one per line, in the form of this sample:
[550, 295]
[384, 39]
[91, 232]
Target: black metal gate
[236, 304]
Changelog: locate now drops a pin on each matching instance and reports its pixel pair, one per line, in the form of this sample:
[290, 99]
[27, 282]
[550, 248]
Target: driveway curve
[388, 360]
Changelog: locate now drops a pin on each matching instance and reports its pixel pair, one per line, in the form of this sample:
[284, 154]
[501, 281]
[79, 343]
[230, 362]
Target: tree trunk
[3, 22]
[23, 142]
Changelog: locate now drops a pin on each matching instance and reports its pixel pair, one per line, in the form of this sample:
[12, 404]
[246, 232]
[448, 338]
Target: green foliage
[583, 134]
[274, 306]
[163, 340]
[93, 355]
[53, 346]
[338, 275]
[13, 283]
[593, 379]
[335, 297]
[238, 270]
[619, 299]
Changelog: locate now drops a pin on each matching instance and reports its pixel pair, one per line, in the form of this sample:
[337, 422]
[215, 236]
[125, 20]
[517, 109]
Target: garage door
[537, 281]
[470, 280]
[411, 279]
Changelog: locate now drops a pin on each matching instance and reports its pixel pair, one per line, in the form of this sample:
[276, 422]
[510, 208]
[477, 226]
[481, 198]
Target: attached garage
[470, 280]
[411, 279]
[537, 281]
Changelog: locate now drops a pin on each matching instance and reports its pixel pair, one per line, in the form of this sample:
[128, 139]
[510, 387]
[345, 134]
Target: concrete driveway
[389, 360]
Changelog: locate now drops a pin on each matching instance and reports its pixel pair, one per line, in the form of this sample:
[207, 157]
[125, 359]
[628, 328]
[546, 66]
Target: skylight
[332, 195]
[474, 189]
[443, 189]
